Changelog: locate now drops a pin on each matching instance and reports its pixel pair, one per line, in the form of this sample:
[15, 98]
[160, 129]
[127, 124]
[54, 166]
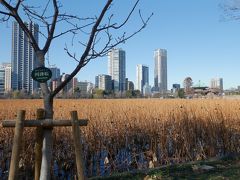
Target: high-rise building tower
[23, 58]
[142, 76]
[117, 68]
[160, 70]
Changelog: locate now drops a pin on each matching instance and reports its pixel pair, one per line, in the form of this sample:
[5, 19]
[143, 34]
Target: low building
[130, 86]
[82, 86]
[217, 83]
[54, 84]
[175, 88]
[103, 82]
[147, 90]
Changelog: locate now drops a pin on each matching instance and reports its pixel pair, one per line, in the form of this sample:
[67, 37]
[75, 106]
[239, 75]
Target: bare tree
[49, 16]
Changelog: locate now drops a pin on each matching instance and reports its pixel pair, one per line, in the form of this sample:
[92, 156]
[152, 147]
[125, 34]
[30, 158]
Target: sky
[200, 40]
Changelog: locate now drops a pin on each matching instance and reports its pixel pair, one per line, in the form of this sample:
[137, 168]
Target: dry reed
[134, 134]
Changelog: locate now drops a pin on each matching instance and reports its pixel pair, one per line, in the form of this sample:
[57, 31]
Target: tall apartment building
[6, 76]
[55, 73]
[160, 70]
[2, 80]
[24, 59]
[142, 76]
[217, 83]
[104, 82]
[117, 68]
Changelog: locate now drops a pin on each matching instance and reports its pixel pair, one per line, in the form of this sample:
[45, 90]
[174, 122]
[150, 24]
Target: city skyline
[199, 42]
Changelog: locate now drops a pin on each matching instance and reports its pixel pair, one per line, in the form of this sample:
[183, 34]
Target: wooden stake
[38, 145]
[17, 141]
[77, 144]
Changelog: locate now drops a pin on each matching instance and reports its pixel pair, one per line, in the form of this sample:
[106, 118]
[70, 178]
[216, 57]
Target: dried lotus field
[123, 135]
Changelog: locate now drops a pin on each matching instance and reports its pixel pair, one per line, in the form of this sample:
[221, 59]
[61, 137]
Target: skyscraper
[117, 69]
[160, 70]
[142, 76]
[23, 58]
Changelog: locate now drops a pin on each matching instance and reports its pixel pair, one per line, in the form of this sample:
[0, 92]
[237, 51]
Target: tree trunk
[47, 142]
[47, 146]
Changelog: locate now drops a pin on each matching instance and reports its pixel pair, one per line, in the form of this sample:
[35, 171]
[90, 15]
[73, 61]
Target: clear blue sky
[199, 42]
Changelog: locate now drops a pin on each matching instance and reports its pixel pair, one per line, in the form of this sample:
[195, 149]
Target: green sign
[41, 74]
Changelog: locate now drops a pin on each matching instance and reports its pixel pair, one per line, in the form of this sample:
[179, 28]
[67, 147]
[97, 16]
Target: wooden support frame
[46, 123]
[41, 123]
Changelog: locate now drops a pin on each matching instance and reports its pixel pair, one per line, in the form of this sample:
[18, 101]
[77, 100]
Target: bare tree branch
[34, 15]
[18, 4]
[52, 29]
[86, 52]
[5, 13]
[122, 24]
[45, 9]
[14, 13]
[73, 30]
[109, 44]
[70, 54]
[98, 32]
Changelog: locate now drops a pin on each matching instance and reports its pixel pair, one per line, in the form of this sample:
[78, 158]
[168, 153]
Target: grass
[227, 168]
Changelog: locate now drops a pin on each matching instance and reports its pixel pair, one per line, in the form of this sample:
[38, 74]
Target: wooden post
[77, 144]
[38, 145]
[16, 145]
